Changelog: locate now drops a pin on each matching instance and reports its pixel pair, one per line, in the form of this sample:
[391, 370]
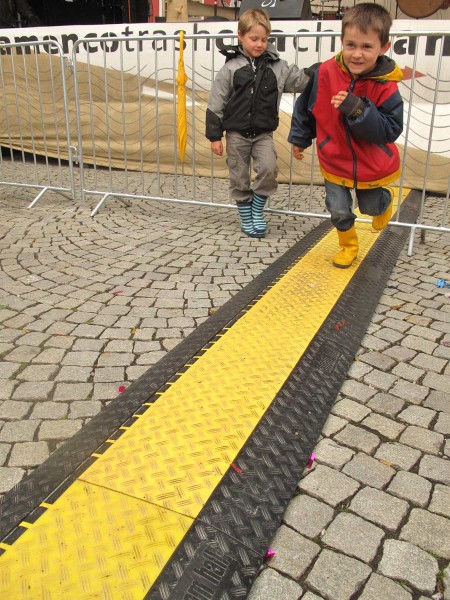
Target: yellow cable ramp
[111, 533]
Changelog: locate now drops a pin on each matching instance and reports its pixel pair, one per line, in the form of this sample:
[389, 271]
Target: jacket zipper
[253, 90]
[349, 141]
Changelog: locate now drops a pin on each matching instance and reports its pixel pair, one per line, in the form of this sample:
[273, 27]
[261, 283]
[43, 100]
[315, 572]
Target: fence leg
[100, 204]
[41, 193]
[73, 158]
[411, 240]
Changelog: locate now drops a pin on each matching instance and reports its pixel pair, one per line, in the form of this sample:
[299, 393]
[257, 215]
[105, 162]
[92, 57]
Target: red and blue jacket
[355, 145]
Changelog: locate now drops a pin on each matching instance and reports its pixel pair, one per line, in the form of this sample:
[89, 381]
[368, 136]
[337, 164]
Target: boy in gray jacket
[244, 102]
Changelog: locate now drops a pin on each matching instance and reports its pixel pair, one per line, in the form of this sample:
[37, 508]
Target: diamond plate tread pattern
[251, 500]
[240, 401]
[211, 565]
[179, 449]
[54, 472]
[98, 544]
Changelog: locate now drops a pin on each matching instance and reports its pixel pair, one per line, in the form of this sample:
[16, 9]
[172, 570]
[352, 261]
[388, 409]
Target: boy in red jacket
[353, 107]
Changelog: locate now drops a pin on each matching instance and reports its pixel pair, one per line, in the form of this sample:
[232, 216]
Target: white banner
[125, 48]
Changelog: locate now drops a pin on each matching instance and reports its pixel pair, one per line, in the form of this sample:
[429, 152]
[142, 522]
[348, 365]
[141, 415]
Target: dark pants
[339, 202]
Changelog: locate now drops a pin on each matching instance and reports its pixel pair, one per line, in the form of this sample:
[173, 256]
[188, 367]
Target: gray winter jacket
[246, 93]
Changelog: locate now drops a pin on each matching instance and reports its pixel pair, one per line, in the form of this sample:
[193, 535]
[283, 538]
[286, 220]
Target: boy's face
[254, 42]
[360, 50]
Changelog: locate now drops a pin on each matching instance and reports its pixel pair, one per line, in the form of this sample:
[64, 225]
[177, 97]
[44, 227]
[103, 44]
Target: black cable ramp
[210, 543]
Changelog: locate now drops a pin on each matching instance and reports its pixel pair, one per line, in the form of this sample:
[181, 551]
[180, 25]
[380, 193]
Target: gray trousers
[240, 152]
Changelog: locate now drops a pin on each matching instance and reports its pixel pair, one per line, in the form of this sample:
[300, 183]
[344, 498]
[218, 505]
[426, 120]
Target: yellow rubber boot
[348, 241]
[380, 221]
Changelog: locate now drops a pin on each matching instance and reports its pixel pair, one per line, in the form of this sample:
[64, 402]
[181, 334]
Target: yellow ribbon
[181, 104]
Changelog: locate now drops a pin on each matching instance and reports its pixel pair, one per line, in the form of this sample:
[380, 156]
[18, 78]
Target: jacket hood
[233, 51]
[385, 69]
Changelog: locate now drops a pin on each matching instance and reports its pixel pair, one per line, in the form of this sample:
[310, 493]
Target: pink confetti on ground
[122, 388]
[310, 462]
[269, 554]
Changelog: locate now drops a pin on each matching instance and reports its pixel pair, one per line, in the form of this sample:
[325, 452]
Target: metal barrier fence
[35, 132]
[117, 96]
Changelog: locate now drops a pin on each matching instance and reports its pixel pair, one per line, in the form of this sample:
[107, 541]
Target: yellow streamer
[181, 107]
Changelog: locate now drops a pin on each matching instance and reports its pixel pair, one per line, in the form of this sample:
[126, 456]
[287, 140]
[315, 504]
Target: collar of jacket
[230, 52]
[385, 69]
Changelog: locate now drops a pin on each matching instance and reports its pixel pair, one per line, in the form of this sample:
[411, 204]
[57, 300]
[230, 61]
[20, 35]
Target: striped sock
[245, 212]
[258, 203]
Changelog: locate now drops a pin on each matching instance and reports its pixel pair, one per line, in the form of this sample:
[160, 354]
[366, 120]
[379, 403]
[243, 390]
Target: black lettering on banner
[279, 42]
[4, 40]
[155, 42]
[142, 33]
[70, 38]
[50, 48]
[90, 48]
[114, 44]
[412, 45]
[109, 43]
[430, 49]
[404, 46]
[127, 33]
[399, 46]
[319, 42]
[24, 39]
[219, 42]
[297, 40]
[200, 32]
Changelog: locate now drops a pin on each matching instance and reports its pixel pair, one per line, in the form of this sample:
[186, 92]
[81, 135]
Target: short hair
[253, 17]
[368, 16]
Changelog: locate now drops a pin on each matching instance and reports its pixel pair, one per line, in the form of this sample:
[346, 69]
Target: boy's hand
[337, 100]
[298, 152]
[217, 148]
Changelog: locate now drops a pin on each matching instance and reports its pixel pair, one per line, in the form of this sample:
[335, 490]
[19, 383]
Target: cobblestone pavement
[371, 518]
[88, 304]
